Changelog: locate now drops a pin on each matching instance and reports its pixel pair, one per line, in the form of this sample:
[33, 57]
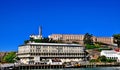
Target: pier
[45, 66]
[90, 65]
[40, 67]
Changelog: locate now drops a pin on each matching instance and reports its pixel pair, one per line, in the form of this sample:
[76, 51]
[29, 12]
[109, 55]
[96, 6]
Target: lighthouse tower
[39, 36]
[40, 31]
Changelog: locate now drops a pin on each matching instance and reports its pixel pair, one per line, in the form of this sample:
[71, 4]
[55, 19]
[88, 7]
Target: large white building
[111, 54]
[36, 52]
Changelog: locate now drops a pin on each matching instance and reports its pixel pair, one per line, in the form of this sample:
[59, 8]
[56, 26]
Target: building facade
[107, 40]
[68, 38]
[111, 54]
[79, 38]
[36, 52]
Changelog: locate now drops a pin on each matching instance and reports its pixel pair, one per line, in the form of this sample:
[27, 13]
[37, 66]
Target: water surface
[96, 68]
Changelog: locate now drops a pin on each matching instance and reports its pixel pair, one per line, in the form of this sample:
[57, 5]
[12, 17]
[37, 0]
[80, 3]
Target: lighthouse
[40, 31]
[39, 36]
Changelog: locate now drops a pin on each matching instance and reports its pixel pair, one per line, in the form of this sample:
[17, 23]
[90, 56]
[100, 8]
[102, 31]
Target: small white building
[111, 54]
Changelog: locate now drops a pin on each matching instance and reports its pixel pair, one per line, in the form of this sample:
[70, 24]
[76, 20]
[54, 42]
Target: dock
[41, 67]
[45, 66]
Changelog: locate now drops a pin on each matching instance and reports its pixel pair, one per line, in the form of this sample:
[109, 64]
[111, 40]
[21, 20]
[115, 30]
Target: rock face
[2, 54]
[93, 54]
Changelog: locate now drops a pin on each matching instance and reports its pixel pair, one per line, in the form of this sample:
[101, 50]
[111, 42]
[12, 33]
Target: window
[30, 50]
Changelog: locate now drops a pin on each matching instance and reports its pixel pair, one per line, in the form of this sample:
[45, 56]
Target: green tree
[116, 39]
[102, 58]
[88, 39]
[10, 57]
[93, 60]
[111, 60]
[43, 40]
[88, 46]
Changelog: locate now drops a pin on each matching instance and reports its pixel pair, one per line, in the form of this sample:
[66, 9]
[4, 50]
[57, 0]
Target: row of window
[69, 37]
[62, 47]
[57, 51]
[113, 58]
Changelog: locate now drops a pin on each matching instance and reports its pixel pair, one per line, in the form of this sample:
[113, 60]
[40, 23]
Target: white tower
[39, 36]
[40, 31]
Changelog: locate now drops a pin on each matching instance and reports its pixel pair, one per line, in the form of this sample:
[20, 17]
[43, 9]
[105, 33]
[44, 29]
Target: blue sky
[20, 18]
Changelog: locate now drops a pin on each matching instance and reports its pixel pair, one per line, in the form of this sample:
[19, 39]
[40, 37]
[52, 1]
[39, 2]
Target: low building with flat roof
[111, 54]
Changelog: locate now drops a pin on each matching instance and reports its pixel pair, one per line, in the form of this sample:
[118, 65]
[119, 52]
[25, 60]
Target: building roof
[108, 51]
[68, 34]
[54, 44]
[111, 52]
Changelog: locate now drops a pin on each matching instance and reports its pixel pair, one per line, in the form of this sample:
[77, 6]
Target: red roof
[117, 50]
